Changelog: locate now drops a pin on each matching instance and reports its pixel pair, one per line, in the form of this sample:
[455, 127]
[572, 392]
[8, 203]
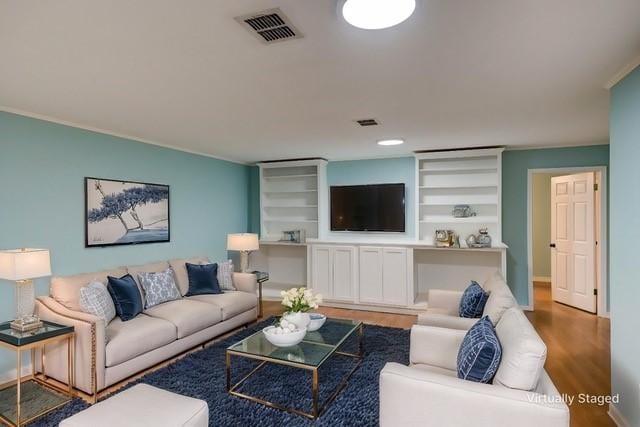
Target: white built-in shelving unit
[445, 179]
[290, 197]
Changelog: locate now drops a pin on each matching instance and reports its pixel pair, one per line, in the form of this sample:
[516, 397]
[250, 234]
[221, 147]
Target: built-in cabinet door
[322, 270]
[394, 276]
[371, 275]
[344, 273]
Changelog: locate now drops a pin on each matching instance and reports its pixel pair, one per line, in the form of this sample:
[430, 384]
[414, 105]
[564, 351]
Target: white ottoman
[143, 406]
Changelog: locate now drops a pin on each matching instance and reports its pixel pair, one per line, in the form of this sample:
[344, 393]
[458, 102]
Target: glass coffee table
[316, 348]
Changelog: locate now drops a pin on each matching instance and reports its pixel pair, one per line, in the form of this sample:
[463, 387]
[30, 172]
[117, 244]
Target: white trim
[115, 134]
[545, 279]
[603, 240]
[526, 307]
[624, 72]
[547, 147]
[617, 417]
[10, 375]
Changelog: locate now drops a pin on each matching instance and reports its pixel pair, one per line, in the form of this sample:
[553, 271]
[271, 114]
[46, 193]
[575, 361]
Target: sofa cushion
[95, 299]
[473, 301]
[152, 267]
[500, 300]
[187, 315]
[180, 271]
[231, 303]
[126, 296]
[523, 352]
[137, 336]
[480, 353]
[66, 289]
[159, 287]
[203, 279]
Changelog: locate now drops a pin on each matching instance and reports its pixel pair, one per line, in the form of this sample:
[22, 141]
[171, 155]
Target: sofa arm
[413, 397]
[435, 346]
[89, 346]
[245, 282]
[445, 321]
[444, 301]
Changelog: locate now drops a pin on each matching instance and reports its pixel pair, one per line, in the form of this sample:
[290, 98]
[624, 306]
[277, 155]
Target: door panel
[573, 266]
[322, 270]
[371, 275]
[344, 268]
[395, 276]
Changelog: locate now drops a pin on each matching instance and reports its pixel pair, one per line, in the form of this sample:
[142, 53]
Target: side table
[261, 277]
[33, 397]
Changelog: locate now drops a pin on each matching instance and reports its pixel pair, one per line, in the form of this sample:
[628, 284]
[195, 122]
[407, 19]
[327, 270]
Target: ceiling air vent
[367, 122]
[270, 26]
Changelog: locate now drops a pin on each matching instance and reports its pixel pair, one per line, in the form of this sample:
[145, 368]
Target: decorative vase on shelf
[298, 318]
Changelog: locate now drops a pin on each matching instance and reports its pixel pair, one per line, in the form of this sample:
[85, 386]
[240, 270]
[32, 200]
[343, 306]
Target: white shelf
[290, 206]
[291, 220]
[460, 199]
[447, 219]
[277, 177]
[469, 185]
[290, 191]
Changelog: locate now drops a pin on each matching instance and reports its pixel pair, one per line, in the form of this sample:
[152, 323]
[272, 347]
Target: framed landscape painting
[125, 212]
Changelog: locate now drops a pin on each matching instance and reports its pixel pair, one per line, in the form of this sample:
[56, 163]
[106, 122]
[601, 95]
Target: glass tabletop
[17, 338]
[316, 347]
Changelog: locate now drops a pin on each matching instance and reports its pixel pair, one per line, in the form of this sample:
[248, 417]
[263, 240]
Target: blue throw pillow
[480, 353]
[473, 300]
[126, 296]
[203, 279]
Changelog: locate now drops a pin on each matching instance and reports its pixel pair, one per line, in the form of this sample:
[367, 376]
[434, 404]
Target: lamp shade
[242, 242]
[24, 264]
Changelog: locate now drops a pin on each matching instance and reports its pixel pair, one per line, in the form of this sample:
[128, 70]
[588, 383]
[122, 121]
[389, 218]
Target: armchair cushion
[435, 346]
[480, 353]
[473, 301]
[523, 352]
[500, 298]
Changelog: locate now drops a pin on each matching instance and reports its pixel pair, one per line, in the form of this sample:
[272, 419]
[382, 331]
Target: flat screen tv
[378, 208]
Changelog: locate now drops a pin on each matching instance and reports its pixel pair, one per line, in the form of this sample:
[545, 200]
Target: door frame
[602, 281]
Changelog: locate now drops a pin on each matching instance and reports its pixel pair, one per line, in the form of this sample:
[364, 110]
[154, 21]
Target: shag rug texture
[201, 375]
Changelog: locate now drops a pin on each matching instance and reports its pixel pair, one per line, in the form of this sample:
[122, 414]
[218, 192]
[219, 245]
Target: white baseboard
[7, 376]
[542, 279]
[617, 416]
[526, 307]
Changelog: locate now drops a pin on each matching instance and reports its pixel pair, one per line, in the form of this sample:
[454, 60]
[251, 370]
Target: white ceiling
[185, 74]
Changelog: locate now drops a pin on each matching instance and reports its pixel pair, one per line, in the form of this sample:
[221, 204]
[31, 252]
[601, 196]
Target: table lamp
[22, 266]
[245, 243]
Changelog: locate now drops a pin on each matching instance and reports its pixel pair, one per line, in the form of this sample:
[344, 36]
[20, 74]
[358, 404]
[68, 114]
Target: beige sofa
[428, 392]
[107, 354]
[443, 305]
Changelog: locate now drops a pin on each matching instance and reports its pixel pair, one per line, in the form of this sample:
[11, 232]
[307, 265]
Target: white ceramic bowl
[317, 320]
[284, 340]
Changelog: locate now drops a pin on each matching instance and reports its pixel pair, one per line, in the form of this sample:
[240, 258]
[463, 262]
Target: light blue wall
[42, 166]
[625, 235]
[515, 166]
[379, 171]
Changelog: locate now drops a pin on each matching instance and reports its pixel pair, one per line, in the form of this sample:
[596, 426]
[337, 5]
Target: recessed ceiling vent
[367, 122]
[270, 26]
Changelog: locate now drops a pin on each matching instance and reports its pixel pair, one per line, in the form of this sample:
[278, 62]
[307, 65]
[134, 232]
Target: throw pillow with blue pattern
[473, 301]
[480, 353]
[159, 287]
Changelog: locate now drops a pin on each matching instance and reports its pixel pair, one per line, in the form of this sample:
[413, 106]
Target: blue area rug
[202, 375]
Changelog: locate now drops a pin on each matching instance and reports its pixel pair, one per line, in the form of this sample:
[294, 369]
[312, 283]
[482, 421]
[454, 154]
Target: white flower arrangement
[300, 300]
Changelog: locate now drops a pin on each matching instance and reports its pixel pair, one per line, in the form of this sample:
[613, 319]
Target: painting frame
[89, 244]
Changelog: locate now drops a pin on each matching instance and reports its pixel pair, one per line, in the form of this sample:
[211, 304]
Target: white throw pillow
[225, 275]
[523, 352]
[95, 300]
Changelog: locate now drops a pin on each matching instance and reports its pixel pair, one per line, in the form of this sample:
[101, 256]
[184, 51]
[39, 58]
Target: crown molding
[624, 72]
[115, 134]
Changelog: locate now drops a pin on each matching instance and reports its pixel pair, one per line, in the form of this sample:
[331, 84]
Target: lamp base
[26, 324]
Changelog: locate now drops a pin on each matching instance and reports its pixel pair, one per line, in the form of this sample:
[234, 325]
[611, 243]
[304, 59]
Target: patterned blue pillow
[473, 300]
[480, 353]
[158, 287]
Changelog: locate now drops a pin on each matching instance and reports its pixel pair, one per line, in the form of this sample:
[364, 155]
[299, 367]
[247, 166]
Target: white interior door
[573, 242]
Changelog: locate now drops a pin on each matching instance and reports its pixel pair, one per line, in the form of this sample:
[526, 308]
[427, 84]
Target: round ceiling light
[387, 142]
[377, 14]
